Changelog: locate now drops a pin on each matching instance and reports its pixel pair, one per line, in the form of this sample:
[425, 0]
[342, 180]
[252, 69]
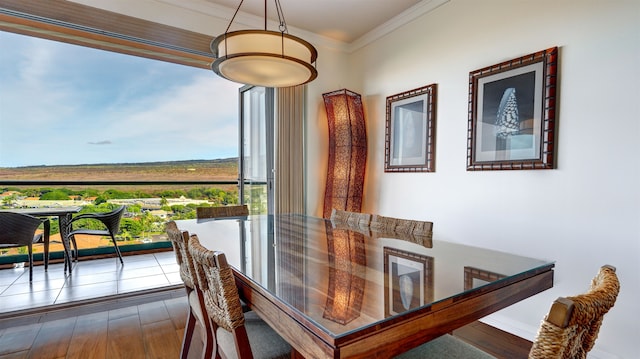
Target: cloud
[106, 142]
[55, 99]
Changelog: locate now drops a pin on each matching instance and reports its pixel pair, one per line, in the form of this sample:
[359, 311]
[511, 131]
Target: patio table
[64, 215]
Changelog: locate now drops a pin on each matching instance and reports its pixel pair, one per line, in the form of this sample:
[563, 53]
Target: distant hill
[188, 170]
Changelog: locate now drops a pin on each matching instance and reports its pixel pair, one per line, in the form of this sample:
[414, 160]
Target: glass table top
[346, 279]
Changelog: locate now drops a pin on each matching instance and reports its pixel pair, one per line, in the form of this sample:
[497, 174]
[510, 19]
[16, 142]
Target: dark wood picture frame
[410, 131]
[512, 114]
[415, 272]
[473, 274]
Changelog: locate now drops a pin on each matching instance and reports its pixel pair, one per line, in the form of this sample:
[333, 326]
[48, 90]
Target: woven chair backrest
[571, 328]
[215, 280]
[222, 211]
[179, 240]
[17, 228]
[351, 219]
[401, 226]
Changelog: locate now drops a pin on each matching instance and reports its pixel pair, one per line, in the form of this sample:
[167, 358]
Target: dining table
[336, 291]
[64, 215]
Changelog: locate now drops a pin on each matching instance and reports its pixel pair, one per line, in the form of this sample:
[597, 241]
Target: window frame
[82, 25]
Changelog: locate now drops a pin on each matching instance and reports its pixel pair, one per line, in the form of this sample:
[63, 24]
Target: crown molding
[399, 20]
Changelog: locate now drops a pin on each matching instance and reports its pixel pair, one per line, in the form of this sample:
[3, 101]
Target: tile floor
[89, 279]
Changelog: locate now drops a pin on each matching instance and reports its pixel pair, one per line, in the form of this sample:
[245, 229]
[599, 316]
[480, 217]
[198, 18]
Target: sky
[64, 104]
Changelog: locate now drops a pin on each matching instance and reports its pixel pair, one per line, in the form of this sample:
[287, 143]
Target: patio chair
[569, 330]
[179, 241]
[18, 230]
[236, 334]
[110, 221]
[222, 211]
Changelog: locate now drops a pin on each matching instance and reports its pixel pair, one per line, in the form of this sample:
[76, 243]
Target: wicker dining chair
[569, 330]
[446, 346]
[180, 240]
[111, 222]
[352, 219]
[19, 230]
[222, 211]
[237, 334]
[572, 325]
[401, 226]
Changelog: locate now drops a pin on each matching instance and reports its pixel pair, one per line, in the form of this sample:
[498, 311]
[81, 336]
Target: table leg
[47, 230]
[63, 221]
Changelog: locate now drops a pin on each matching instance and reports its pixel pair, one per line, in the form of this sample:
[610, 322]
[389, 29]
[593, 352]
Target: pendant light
[263, 57]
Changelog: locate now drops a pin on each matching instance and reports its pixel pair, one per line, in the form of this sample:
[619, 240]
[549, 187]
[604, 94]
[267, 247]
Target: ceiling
[344, 21]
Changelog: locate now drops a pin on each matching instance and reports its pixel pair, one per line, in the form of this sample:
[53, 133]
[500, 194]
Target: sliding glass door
[256, 148]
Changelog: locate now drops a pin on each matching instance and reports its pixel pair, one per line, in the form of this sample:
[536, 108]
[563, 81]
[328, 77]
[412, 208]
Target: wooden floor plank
[89, 339]
[160, 343]
[152, 312]
[123, 312]
[18, 355]
[177, 308]
[18, 339]
[124, 337]
[53, 339]
[156, 331]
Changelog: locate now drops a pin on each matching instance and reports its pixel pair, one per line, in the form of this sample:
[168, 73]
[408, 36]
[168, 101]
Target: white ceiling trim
[401, 19]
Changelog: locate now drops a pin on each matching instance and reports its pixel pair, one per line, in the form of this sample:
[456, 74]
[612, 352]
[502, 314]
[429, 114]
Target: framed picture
[512, 118]
[408, 280]
[410, 131]
[476, 277]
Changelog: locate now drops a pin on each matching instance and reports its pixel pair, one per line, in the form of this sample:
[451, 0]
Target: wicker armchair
[179, 241]
[236, 334]
[222, 211]
[18, 230]
[111, 222]
[572, 325]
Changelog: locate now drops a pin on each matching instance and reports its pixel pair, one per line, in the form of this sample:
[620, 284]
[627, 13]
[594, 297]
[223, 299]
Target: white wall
[583, 214]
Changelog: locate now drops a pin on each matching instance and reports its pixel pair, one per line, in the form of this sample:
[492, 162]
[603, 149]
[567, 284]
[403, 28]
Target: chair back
[222, 211]
[401, 226]
[215, 280]
[112, 220]
[351, 219]
[572, 325]
[17, 229]
[179, 240]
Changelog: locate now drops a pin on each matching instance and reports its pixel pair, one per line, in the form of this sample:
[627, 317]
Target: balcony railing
[142, 227]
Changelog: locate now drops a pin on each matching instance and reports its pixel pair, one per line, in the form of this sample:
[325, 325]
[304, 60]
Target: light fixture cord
[236, 13]
[283, 23]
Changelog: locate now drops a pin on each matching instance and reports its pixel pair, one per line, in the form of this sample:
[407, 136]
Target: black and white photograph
[511, 114]
[410, 131]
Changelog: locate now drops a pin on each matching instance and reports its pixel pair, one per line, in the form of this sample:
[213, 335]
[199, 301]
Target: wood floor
[154, 330]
